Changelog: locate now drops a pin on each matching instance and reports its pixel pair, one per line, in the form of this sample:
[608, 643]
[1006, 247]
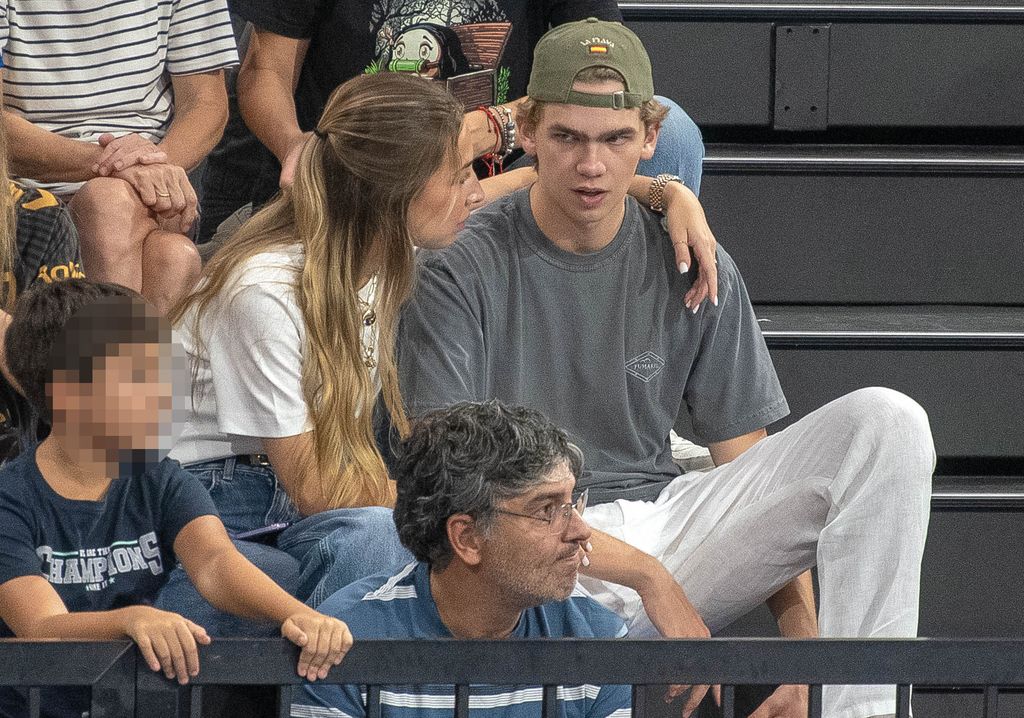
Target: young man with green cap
[563, 297]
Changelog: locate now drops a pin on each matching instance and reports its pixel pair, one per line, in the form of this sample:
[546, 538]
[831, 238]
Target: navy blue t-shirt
[98, 555]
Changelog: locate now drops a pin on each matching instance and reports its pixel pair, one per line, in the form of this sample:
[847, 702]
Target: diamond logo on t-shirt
[645, 367]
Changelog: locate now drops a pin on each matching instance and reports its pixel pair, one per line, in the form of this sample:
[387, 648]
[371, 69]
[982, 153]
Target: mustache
[575, 552]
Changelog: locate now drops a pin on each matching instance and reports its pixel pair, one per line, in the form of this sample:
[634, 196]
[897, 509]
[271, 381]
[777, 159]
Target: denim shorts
[247, 497]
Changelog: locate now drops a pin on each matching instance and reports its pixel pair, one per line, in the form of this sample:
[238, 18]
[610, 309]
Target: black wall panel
[840, 239]
[973, 399]
[972, 575]
[926, 75]
[720, 73]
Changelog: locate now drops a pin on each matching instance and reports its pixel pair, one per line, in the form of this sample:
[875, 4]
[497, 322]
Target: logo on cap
[598, 45]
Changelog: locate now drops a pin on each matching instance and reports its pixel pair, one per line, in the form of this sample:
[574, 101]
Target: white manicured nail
[683, 269]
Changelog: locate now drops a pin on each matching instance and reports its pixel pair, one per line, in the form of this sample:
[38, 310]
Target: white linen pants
[847, 489]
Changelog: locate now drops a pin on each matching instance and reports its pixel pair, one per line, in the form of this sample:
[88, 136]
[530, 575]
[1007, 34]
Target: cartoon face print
[417, 44]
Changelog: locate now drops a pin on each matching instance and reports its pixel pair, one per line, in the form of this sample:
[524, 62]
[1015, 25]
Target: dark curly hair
[465, 459]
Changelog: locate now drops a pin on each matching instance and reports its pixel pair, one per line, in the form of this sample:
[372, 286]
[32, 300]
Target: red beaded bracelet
[491, 159]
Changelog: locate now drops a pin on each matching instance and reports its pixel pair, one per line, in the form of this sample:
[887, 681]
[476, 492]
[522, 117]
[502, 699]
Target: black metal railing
[124, 686]
[108, 668]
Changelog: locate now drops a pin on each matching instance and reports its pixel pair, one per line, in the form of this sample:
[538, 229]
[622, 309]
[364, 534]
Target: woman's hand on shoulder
[693, 242]
[324, 641]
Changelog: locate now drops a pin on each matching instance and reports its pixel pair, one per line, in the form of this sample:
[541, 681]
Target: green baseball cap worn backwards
[568, 49]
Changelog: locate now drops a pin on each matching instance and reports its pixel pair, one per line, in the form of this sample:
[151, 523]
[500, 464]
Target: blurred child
[92, 520]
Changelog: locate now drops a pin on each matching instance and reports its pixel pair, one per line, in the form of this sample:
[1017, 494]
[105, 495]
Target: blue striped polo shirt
[401, 606]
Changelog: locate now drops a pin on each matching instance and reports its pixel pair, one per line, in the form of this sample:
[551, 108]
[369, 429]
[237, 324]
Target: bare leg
[122, 243]
[112, 224]
[170, 268]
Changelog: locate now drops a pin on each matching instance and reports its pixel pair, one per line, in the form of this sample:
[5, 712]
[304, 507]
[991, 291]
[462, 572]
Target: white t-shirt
[249, 379]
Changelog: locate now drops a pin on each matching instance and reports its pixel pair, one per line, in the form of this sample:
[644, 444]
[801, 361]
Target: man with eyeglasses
[485, 505]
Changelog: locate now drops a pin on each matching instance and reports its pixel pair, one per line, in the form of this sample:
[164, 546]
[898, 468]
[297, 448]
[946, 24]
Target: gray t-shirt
[601, 343]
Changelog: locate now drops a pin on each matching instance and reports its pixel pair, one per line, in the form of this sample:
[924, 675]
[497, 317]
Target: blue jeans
[247, 497]
[680, 149]
[337, 547]
[314, 557]
[180, 595]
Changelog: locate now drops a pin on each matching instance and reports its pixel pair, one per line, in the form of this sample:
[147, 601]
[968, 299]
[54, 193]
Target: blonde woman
[292, 328]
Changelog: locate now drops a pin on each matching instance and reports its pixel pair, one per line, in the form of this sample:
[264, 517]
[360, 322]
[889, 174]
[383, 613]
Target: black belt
[253, 459]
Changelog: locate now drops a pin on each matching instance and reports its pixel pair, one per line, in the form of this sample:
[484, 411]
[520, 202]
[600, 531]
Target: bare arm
[290, 457]
[481, 131]
[663, 598]
[231, 583]
[618, 562]
[794, 609]
[226, 578]
[32, 609]
[5, 322]
[722, 452]
[37, 153]
[793, 604]
[45, 156]
[690, 235]
[200, 113]
[507, 182]
[266, 90]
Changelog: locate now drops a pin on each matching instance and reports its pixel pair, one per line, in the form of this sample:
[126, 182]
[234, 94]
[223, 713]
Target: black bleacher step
[722, 158]
[870, 225]
[892, 327]
[959, 11]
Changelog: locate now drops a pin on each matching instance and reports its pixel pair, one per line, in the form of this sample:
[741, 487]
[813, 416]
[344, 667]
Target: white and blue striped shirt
[80, 68]
[402, 606]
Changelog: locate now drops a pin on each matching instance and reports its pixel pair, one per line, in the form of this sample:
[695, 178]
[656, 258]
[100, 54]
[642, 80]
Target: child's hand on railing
[324, 642]
[166, 640]
[786, 702]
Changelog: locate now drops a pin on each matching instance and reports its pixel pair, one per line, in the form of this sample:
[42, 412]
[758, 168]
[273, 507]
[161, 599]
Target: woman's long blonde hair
[8, 229]
[379, 140]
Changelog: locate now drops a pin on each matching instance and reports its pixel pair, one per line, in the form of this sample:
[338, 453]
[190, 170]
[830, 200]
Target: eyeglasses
[557, 517]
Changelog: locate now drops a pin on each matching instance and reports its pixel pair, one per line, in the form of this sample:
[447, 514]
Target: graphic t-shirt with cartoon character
[481, 49]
